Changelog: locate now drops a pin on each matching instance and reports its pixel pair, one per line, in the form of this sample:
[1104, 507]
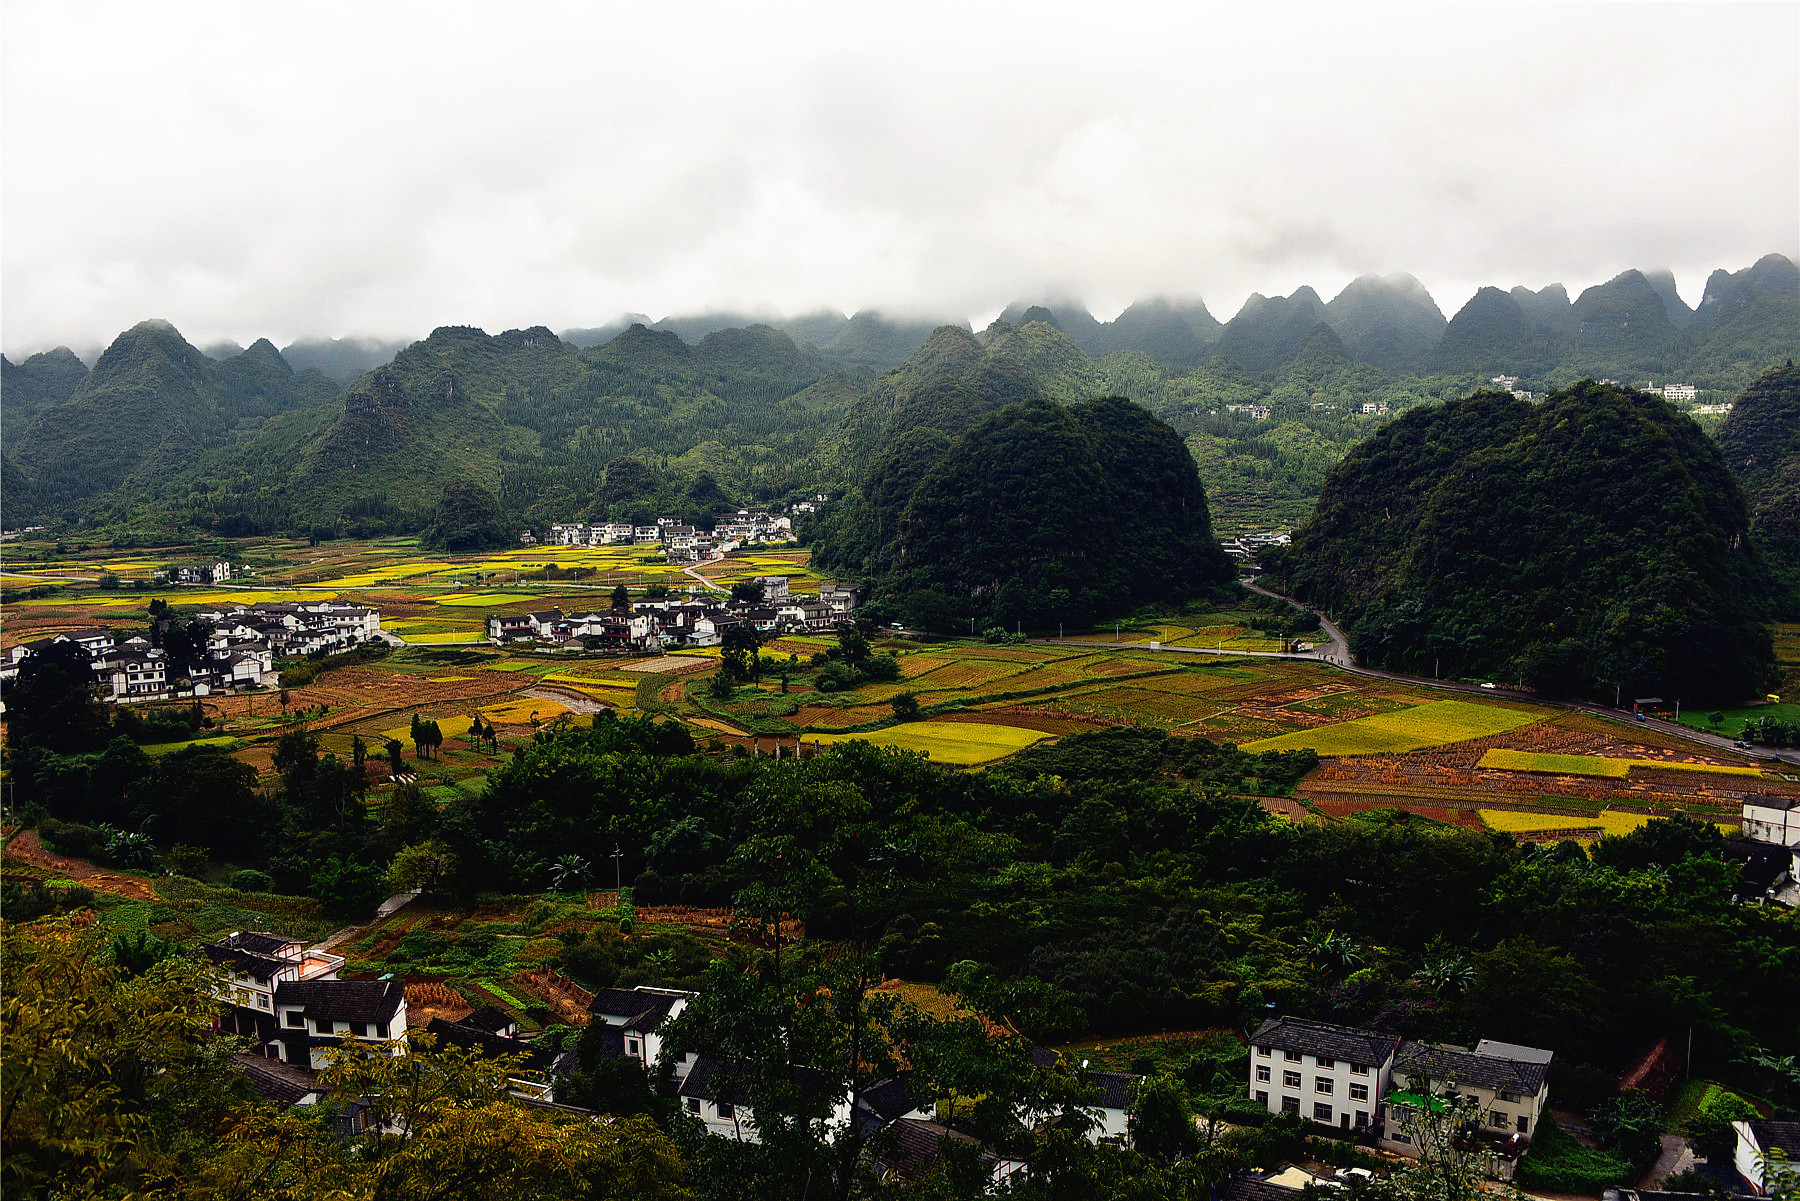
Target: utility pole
[618, 858]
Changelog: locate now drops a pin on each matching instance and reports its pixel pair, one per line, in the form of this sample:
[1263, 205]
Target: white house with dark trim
[1508, 1083]
[1334, 1075]
[314, 1016]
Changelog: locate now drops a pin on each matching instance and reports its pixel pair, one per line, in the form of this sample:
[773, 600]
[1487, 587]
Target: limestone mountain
[33, 384]
[1268, 330]
[1593, 544]
[1390, 321]
[1622, 327]
[1041, 513]
[341, 359]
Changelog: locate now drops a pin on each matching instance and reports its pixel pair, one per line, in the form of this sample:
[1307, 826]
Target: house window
[1524, 1124]
[1326, 1063]
[297, 1020]
[357, 1029]
[1262, 1098]
[379, 1030]
[1359, 1069]
[1321, 1113]
[1290, 1105]
[631, 1046]
[1265, 1052]
[1290, 1079]
[1400, 1136]
[1322, 1084]
[1359, 1092]
[693, 1104]
[1497, 1119]
[1291, 1056]
[1506, 1095]
[726, 1112]
[262, 1002]
[1262, 1073]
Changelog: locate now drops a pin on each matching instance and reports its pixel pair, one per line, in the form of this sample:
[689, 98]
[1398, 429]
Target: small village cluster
[1246, 547]
[683, 542]
[291, 1004]
[293, 1007]
[697, 619]
[240, 652]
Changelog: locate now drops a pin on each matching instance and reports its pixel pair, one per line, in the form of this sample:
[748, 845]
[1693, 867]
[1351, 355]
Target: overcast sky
[326, 169]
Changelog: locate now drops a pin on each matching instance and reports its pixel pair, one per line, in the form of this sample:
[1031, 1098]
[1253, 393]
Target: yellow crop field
[444, 636]
[1599, 765]
[972, 673]
[958, 743]
[486, 600]
[1436, 724]
[1610, 821]
[1172, 705]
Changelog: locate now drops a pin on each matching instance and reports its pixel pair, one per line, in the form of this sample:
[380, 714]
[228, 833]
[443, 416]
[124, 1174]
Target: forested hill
[1761, 441]
[1036, 514]
[1594, 545]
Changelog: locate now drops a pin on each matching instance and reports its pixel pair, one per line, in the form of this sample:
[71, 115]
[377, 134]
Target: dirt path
[24, 847]
[569, 699]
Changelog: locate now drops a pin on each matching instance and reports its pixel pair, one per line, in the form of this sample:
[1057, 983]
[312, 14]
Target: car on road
[1742, 745]
[1490, 684]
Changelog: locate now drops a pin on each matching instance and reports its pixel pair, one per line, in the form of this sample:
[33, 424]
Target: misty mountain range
[161, 435]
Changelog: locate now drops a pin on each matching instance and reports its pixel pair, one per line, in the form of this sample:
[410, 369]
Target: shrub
[250, 880]
[185, 860]
[1557, 1163]
[71, 838]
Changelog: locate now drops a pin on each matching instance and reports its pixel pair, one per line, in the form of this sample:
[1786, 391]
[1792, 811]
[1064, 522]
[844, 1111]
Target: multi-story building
[313, 1016]
[1334, 1075]
[252, 966]
[1507, 1085]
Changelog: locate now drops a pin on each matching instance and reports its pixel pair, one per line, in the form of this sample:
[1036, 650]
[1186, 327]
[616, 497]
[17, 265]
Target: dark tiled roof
[916, 1149]
[715, 1081]
[261, 943]
[1249, 1188]
[1770, 1134]
[493, 1046]
[344, 1000]
[643, 1011]
[490, 1019]
[1765, 801]
[1323, 1040]
[1044, 1057]
[889, 1099]
[259, 967]
[274, 1081]
[1467, 1067]
[1117, 1089]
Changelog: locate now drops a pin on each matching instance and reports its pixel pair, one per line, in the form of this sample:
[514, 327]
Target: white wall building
[1335, 1075]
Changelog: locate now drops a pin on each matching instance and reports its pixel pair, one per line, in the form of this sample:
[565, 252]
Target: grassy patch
[1437, 724]
[1560, 1164]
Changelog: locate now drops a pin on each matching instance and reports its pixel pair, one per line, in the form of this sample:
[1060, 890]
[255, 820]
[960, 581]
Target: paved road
[1336, 653]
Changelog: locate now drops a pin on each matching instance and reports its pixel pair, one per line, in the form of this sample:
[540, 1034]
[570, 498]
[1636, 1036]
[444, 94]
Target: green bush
[250, 880]
[1557, 1163]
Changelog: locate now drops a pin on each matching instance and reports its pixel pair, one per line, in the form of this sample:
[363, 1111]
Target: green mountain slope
[1595, 542]
[1268, 330]
[1390, 322]
[34, 384]
[1761, 442]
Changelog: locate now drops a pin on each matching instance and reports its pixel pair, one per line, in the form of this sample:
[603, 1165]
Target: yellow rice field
[1598, 765]
[960, 744]
[1437, 724]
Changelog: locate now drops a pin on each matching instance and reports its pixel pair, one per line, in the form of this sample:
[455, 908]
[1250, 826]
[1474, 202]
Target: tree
[113, 1073]
[52, 703]
[1162, 1124]
[467, 517]
[905, 705]
[738, 653]
[394, 747]
[569, 869]
[621, 599]
[422, 868]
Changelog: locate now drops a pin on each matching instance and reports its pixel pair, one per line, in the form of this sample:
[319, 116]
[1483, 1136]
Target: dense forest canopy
[1761, 441]
[1594, 545]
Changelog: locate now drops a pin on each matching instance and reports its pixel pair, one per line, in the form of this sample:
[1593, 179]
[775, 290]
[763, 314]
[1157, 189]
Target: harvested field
[1467, 819]
[675, 663]
[1436, 724]
[23, 848]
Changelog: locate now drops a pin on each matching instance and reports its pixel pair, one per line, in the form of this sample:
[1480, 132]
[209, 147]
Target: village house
[492, 1035]
[1752, 1157]
[252, 966]
[313, 1016]
[1509, 1085]
[635, 1019]
[718, 1094]
[1335, 1075]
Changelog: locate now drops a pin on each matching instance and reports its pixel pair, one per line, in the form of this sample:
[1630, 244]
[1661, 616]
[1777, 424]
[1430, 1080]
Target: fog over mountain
[421, 165]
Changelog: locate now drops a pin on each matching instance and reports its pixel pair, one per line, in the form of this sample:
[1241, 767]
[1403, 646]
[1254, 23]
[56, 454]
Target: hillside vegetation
[1593, 545]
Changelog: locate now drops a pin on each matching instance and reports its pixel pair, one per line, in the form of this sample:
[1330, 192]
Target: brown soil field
[24, 849]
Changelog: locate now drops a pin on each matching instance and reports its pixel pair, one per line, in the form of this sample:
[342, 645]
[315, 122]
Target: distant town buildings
[696, 619]
[1246, 547]
[241, 649]
[682, 541]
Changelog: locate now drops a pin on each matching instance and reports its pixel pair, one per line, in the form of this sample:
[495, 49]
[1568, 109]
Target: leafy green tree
[52, 703]
[1162, 1124]
[621, 599]
[424, 868]
[467, 517]
[905, 705]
